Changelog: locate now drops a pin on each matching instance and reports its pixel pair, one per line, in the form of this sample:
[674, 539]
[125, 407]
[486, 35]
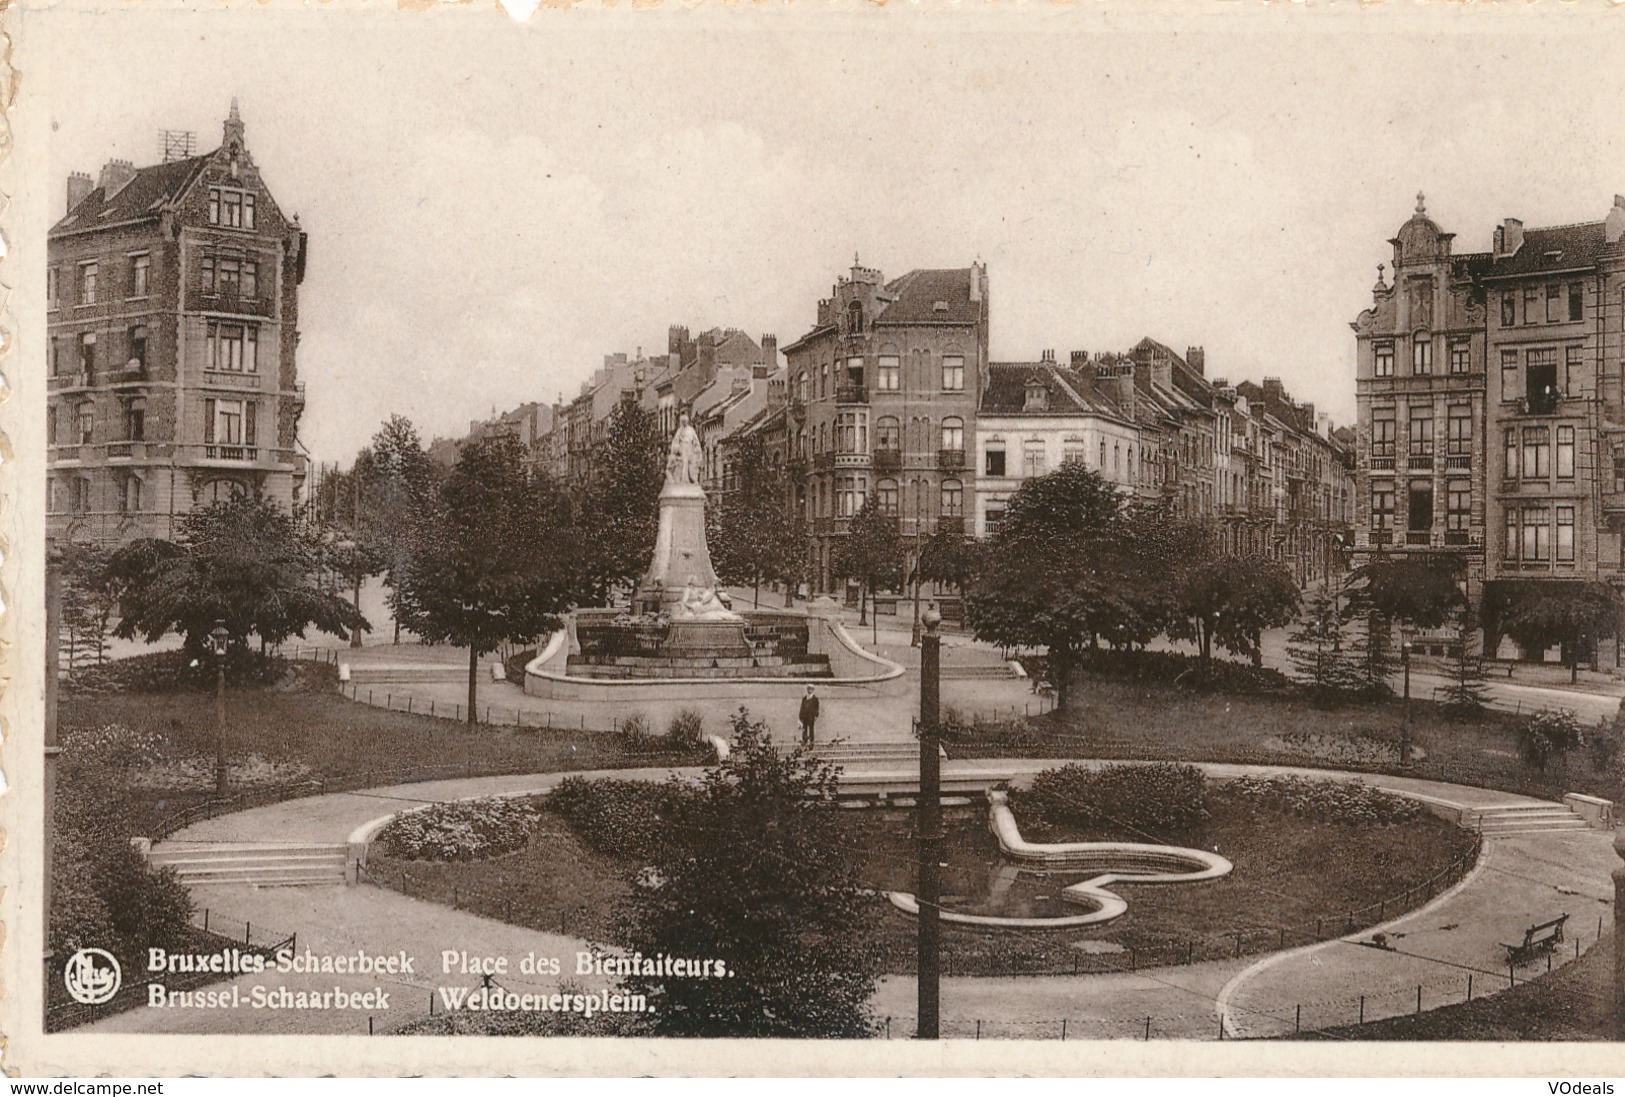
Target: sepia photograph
[883, 533]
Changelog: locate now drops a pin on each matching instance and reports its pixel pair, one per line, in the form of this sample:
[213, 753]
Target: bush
[1186, 671]
[1356, 749]
[467, 830]
[1346, 802]
[1544, 734]
[685, 729]
[1134, 801]
[166, 671]
[621, 818]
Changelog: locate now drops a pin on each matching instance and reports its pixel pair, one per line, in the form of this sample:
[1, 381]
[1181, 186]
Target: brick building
[173, 325]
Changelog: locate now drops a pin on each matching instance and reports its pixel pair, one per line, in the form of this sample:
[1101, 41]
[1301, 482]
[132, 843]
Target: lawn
[1280, 888]
[302, 729]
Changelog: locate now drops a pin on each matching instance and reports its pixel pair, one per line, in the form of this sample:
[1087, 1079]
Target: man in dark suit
[809, 716]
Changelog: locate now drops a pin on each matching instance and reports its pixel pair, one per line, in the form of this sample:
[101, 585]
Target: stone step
[980, 672]
[1533, 826]
[269, 864]
[403, 675]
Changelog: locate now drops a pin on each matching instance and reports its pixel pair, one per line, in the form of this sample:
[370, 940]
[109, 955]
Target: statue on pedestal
[681, 581]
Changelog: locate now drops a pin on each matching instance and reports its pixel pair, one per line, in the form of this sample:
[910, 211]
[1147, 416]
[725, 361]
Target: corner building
[881, 398]
[172, 297]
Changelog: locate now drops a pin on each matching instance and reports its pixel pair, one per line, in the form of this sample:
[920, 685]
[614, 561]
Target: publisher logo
[92, 976]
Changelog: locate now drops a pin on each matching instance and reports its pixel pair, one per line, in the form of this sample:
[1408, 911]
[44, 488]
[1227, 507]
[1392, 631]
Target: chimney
[1196, 359]
[1047, 357]
[1273, 389]
[978, 281]
[1509, 237]
[676, 336]
[1613, 227]
[770, 352]
[115, 173]
[79, 188]
[1080, 358]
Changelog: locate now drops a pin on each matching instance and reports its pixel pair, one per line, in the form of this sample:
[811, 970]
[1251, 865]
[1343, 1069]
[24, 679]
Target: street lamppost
[928, 815]
[1405, 731]
[218, 637]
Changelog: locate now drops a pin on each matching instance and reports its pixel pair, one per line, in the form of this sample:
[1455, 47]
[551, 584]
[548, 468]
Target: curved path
[1520, 879]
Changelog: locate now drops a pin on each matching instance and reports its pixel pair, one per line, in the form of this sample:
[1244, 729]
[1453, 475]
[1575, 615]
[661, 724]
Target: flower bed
[1355, 749]
[1345, 802]
[468, 830]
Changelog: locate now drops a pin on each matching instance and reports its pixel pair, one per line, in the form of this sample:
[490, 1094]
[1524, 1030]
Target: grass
[1573, 1003]
[303, 720]
[1281, 880]
[1106, 717]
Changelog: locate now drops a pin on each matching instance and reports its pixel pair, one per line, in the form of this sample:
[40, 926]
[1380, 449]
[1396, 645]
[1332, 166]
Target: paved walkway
[1520, 880]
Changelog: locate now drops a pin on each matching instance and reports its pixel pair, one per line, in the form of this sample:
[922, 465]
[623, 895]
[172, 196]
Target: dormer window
[1037, 396]
[231, 208]
[939, 306]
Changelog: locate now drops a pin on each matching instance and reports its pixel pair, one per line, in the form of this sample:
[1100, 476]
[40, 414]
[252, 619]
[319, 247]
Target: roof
[1006, 392]
[1563, 247]
[142, 196]
[915, 296]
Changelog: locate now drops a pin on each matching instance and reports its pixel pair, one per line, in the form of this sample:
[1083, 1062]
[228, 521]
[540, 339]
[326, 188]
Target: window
[1117, 457]
[1537, 453]
[1419, 508]
[888, 373]
[1509, 310]
[229, 422]
[953, 499]
[138, 348]
[86, 290]
[84, 425]
[1459, 506]
[234, 209]
[953, 433]
[953, 374]
[231, 276]
[1577, 306]
[995, 459]
[50, 425]
[850, 493]
[130, 495]
[233, 347]
[854, 318]
[1565, 453]
[1565, 535]
[81, 494]
[251, 278]
[1511, 454]
[823, 380]
[135, 420]
[1531, 305]
[53, 288]
[888, 433]
[854, 371]
[1511, 552]
[1554, 303]
[1537, 534]
[1422, 355]
[886, 496]
[87, 355]
[1382, 437]
[140, 268]
[1383, 362]
[1460, 355]
[852, 432]
[1032, 457]
[1072, 449]
[1421, 431]
[1509, 361]
[1103, 452]
[802, 392]
[1573, 370]
[1460, 425]
[1540, 380]
[1382, 506]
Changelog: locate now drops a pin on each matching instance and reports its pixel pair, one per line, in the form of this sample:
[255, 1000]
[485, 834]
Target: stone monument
[680, 582]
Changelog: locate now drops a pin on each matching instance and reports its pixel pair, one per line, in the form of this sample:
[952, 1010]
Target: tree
[948, 556]
[1573, 615]
[1232, 600]
[1422, 590]
[753, 874]
[871, 551]
[1318, 647]
[621, 509]
[1162, 550]
[87, 604]
[492, 559]
[240, 561]
[1467, 694]
[751, 534]
[1054, 575]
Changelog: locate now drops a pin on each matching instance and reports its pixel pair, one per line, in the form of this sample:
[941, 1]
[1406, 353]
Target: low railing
[950, 458]
[231, 453]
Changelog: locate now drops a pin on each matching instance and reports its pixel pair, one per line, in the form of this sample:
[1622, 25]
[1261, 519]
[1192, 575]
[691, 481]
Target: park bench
[1537, 939]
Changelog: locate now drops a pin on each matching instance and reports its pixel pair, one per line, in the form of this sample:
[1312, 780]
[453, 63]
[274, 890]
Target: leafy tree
[1574, 615]
[871, 551]
[492, 558]
[1318, 649]
[240, 561]
[948, 556]
[751, 535]
[621, 509]
[1421, 590]
[1054, 575]
[1162, 551]
[1467, 693]
[778, 902]
[87, 604]
[1232, 600]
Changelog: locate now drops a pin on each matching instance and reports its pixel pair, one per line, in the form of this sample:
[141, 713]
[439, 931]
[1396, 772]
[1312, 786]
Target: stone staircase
[892, 754]
[984, 672]
[1528, 819]
[405, 674]
[262, 864]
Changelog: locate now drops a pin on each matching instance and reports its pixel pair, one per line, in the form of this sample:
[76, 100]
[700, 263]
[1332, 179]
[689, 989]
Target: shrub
[685, 729]
[1136, 801]
[1358, 748]
[1346, 802]
[467, 830]
[1544, 734]
[1186, 671]
[622, 818]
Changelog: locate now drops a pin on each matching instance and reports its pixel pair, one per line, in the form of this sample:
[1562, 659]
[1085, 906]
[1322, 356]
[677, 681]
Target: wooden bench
[1537, 939]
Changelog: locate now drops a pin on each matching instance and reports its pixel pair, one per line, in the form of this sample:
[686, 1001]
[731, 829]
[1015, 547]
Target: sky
[493, 205]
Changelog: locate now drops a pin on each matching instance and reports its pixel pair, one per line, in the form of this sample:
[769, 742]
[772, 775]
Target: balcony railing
[950, 458]
[1544, 403]
[1382, 537]
[1456, 537]
[1418, 537]
[133, 373]
[888, 460]
[231, 379]
[65, 453]
[123, 449]
[1382, 462]
[1459, 461]
[952, 523]
[1420, 461]
[228, 302]
[230, 453]
[851, 394]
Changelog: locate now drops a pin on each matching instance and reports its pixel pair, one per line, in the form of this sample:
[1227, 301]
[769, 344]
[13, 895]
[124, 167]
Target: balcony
[78, 380]
[851, 394]
[1419, 461]
[798, 410]
[1457, 537]
[952, 523]
[1544, 403]
[298, 397]
[1382, 537]
[1382, 462]
[888, 460]
[1418, 537]
[202, 301]
[950, 458]
[126, 450]
[64, 453]
[851, 460]
[1458, 461]
[231, 379]
[134, 372]
[230, 453]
